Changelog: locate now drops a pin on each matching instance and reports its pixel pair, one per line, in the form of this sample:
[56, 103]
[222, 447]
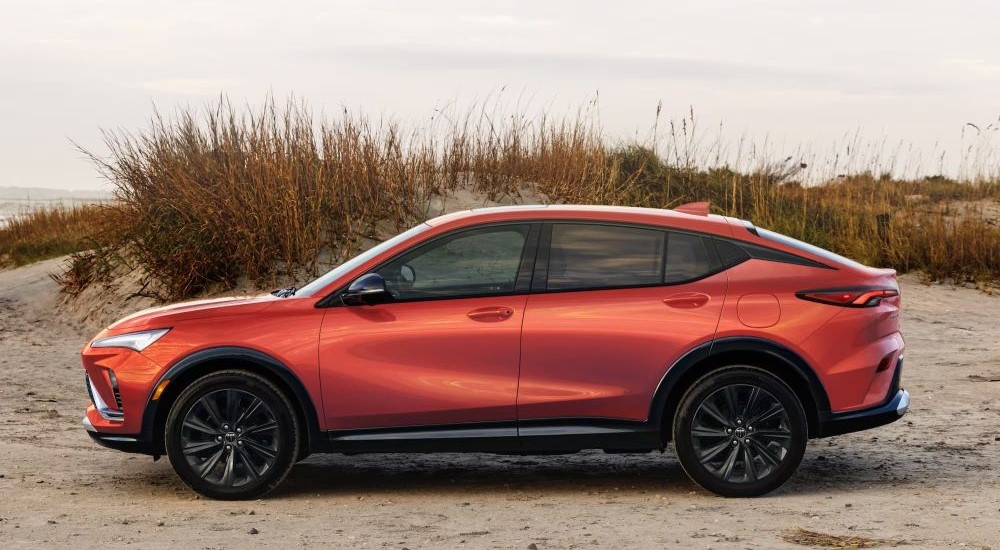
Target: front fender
[204, 361]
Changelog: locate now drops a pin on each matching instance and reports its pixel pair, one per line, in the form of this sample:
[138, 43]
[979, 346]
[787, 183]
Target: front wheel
[740, 432]
[232, 435]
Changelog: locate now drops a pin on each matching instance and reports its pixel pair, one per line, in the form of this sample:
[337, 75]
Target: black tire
[740, 432]
[232, 435]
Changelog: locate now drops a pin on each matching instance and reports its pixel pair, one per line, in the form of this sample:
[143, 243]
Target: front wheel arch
[197, 365]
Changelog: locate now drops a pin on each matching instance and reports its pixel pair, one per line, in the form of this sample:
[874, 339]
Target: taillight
[848, 297]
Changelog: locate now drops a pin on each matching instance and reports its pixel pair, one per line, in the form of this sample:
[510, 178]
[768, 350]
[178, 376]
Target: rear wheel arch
[184, 372]
[757, 352]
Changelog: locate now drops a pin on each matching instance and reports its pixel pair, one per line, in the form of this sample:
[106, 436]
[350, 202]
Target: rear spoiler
[694, 208]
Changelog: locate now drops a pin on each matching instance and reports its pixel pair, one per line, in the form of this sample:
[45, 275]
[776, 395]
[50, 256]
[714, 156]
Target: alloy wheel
[229, 438]
[741, 433]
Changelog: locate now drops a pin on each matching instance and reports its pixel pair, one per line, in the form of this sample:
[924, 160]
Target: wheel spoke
[727, 466]
[702, 431]
[751, 401]
[213, 412]
[232, 399]
[249, 411]
[773, 434]
[196, 448]
[195, 424]
[245, 458]
[260, 449]
[263, 427]
[765, 453]
[715, 413]
[770, 413]
[227, 475]
[708, 455]
[751, 468]
[210, 463]
[730, 394]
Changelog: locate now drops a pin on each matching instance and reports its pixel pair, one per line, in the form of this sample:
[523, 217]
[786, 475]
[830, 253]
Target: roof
[626, 214]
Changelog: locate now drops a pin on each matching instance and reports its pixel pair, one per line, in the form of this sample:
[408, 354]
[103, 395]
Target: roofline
[556, 211]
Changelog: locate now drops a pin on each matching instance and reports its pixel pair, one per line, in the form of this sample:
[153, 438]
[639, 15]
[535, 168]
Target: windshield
[356, 261]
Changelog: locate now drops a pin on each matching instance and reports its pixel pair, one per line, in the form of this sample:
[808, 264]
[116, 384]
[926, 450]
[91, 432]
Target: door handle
[686, 300]
[491, 313]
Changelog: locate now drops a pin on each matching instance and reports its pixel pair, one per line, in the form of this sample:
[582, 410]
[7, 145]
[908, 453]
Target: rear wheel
[740, 432]
[232, 435]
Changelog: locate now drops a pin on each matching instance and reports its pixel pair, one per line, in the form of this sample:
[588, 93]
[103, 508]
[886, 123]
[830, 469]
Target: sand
[931, 479]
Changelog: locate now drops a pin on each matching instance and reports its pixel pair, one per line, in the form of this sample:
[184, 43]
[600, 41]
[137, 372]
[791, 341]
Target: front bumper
[126, 443]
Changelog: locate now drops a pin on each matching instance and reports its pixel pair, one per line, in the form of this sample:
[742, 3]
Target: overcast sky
[796, 71]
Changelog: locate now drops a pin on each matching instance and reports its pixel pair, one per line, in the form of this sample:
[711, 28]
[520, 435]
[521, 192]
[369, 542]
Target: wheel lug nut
[229, 447]
[225, 426]
[219, 438]
[239, 430]
[739, 422]
[729, 430]
[240, 443]
[750, 428]
[736, 442]
[747, 441]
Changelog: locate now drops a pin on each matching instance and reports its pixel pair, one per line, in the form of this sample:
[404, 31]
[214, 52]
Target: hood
[217, 307]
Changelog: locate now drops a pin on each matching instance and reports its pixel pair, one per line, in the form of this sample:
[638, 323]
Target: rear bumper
[856, 421]
[118, 442]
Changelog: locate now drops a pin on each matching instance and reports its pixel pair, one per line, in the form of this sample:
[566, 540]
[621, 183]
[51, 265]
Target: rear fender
[778, 359]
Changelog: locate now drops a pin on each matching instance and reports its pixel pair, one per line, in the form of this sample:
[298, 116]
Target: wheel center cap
[230, 437]
[741, 432]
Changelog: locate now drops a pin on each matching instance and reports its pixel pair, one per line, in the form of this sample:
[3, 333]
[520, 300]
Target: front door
[445, 351]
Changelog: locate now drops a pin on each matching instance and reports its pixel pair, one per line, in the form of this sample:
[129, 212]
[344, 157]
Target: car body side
[834, 357]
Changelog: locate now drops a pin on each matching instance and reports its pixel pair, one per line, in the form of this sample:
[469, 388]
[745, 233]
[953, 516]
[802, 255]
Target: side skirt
[525, 437]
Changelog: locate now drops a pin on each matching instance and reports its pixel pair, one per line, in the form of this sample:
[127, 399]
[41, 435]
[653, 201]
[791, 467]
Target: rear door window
[587, 256]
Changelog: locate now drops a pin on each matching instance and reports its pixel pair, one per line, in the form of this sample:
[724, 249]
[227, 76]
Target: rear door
[612, 307]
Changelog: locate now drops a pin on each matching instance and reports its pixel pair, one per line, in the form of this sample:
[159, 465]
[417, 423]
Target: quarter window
[687, 258]
[585, 256]
[470, 263]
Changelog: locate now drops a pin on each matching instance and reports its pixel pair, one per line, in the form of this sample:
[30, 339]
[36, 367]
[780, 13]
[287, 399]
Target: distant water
[18, 200]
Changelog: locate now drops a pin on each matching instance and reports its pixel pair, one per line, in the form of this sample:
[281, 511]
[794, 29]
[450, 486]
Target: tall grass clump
[48, 232]
[211, 197]
[215, 196]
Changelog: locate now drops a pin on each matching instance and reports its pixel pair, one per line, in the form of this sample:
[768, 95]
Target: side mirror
[367, 289]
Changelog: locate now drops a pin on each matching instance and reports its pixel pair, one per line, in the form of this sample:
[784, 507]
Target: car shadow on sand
[586, 472]
[823, 470]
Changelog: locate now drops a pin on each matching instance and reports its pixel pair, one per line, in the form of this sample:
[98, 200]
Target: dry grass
[207, 198]
[47, 233]
[804, 537]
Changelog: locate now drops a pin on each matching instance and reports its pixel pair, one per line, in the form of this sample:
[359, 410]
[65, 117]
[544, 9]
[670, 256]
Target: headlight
[134, 340]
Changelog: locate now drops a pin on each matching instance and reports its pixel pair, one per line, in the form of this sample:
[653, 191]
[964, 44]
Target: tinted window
[687, 258]
[356, 261]
[806, 247]
[730, 252]
[593, 256]
[470, 263]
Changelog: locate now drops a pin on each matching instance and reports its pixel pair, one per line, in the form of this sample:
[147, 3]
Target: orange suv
[517, 330]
